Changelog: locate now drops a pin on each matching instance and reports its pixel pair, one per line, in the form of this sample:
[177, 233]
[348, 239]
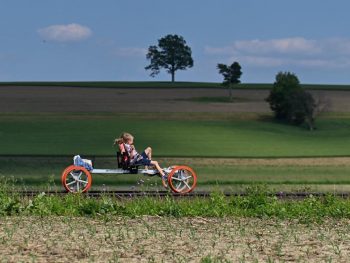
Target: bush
[10, 203]
[290, 102]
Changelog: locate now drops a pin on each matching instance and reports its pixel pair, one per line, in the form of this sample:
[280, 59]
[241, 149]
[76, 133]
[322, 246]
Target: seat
[123, 160]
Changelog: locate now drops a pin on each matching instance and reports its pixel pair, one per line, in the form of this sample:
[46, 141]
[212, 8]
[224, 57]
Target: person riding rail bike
[126, 143]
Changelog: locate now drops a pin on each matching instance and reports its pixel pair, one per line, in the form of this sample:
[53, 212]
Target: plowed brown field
[78, 99]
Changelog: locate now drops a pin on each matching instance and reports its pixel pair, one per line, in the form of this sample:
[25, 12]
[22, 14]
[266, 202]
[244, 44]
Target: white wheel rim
[76, 181]
[182, 180]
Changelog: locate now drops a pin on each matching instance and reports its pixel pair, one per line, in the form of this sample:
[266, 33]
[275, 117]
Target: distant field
[176, 135]
[185, 120]
[160, 84]
[93, 99]
[118, 84]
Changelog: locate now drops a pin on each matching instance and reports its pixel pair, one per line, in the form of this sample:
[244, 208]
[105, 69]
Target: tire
[64, 171]
[182, 179]
[76, 179]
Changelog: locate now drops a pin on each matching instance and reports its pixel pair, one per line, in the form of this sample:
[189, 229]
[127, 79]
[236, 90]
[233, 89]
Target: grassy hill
[180, 135]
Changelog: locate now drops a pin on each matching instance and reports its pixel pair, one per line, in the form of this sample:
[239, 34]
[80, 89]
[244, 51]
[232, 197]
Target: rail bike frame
[127, 171]
[179, 178]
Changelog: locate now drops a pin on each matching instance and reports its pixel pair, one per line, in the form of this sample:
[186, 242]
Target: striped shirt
[134, 155]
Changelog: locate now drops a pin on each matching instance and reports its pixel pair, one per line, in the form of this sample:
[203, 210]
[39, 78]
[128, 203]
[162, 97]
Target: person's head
[125, 137]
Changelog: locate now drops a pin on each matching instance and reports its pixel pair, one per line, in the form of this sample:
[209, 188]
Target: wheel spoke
[72, 174]
[182, 188]
[179, 186]
[187, 185]
[71, 183]
[75, 176]
[81, 181]
[176, 179]
[185, 178]
[181, 179]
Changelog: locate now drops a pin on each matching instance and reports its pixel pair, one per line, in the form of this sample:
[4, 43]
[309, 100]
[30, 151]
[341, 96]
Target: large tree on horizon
[172, 54]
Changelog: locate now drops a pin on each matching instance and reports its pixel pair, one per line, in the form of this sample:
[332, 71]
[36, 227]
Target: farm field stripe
[165, 84]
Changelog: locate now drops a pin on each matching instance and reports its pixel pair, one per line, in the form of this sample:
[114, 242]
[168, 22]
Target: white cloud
[65, 33]
[284, 45]
[326, 53]
[261, 61]
[221, 50]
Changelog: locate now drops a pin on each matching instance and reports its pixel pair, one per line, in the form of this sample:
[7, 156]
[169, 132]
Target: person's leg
[148, 152]
[155, 163]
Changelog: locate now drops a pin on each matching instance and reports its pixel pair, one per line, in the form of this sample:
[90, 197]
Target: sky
[107, 40]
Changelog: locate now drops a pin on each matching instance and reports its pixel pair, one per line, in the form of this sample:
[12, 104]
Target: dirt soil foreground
[156, 239]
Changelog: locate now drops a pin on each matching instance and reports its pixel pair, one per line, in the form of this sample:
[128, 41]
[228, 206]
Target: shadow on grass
[221, 99]
[270, 119]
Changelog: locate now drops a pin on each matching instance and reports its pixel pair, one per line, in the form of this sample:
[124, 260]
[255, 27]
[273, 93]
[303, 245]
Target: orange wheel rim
[64, 171]
[182, 179]
[76, 179]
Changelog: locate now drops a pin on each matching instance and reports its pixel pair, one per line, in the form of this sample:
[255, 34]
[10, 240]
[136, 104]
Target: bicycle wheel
[76, 179]
[182, 179]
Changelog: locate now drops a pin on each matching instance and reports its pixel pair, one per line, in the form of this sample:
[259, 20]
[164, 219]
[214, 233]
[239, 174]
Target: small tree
[290, 101]
[172, 54]
[231, 75]
[301, 108]
[285, 84]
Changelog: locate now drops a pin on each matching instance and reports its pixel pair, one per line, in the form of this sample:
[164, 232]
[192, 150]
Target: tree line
[288, 100]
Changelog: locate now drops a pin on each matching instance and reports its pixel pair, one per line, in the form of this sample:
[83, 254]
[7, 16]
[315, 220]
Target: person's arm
[121, 148]
[132, 151]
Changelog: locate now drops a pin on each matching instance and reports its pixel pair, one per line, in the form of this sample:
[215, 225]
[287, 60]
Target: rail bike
[180, 179]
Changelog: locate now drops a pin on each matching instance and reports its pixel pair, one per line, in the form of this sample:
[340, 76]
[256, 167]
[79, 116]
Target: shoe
[165, 176]
[165, 179]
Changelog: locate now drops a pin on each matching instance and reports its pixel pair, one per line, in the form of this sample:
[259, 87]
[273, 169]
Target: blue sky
[73, 40]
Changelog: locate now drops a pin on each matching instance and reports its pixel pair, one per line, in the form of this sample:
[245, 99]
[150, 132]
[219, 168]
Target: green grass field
[176, 135]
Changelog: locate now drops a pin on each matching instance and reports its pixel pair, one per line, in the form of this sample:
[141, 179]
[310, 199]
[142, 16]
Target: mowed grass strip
[318, 174]
[194, 135]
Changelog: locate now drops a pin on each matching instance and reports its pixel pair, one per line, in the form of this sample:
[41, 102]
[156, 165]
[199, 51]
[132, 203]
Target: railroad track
[199, 194]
